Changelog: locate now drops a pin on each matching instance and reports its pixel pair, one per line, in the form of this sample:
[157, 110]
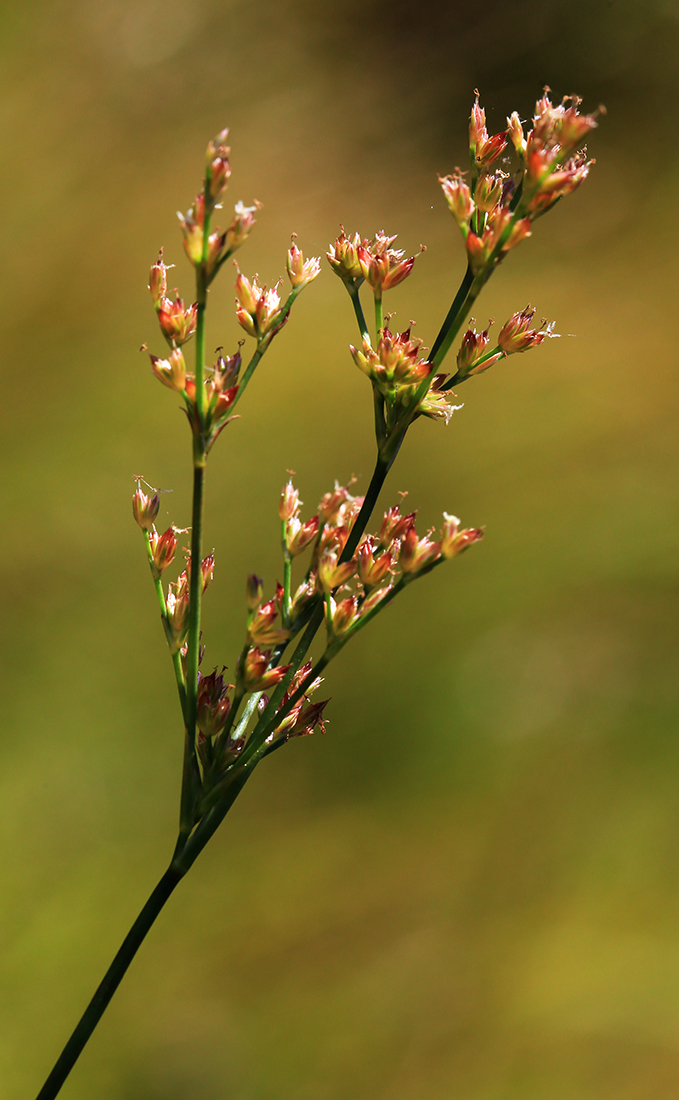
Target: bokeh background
[469, 888]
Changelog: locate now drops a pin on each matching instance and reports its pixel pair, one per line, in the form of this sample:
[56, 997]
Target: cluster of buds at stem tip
[221, 243]
[258, 309]
[403, 378]
[550, 155]
[495, 210]
[220, 388]
[354, 259]
[477, 352]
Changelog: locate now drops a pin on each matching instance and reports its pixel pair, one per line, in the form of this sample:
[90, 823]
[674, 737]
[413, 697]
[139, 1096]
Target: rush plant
[341, 566]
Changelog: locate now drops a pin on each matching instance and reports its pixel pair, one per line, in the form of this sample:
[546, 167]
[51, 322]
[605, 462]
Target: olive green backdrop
[469, 888]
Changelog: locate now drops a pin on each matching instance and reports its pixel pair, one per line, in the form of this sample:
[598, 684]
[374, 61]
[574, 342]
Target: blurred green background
[469, 887]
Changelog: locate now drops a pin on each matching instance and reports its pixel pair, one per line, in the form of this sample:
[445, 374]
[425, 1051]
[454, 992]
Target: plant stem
[358, 310]
[456, 314]
[110, 983]
[176, 657]
[379, 314]
[377, 481]
[287, 578]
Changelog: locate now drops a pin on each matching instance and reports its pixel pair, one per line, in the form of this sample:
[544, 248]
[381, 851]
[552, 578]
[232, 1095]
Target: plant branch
[109, 984]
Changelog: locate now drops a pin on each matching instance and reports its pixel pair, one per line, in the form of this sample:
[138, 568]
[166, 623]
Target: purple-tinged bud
[192, 230]
[162, 548]
[516, 135]
[145, 508]
[459, 198]
[395, 526]
[290, 502]
[340, 616]
[254, 590]
[416, 553]
[375, 598]
[207, 571]
[331, 574]
[219, 169]
[488, 192]
[212, 704]
[483, 149]
[171, 372]
[453, 540]
[343, 256]
[382, 266]
[158, 280]
[372, 570]
[517, 335]
[226, 371]
[177, 321]
[437, 404]
[299, 535]
[177, 604]
[241, 225]
[301, 271]
[307, 721]
[394, 363]
[257, 676]
[473, 346]
[337, 505]
[261, 630]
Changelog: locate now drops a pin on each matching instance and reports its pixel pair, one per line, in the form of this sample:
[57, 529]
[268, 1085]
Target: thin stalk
[176, 657]
[109, 984]
[358, 310]
[287, 578]
[380, 422]
[377, 481]
[247, 375]
[209, 824]
[457, 313]
[191, 773]
[379, 314]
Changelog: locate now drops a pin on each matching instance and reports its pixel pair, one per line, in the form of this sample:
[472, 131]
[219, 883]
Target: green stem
[457, 313]
[380, 472]
[176, 657]
[191, 772]
[358, 310]
[379, 314]
[110, 983]
[247, 375]
[287, 577]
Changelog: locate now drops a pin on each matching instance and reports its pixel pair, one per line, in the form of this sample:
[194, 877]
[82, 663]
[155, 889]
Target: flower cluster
[356, 259]
[210, 393]
[495, 209]
[337, 575]
[405, 381]
[477, 352]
